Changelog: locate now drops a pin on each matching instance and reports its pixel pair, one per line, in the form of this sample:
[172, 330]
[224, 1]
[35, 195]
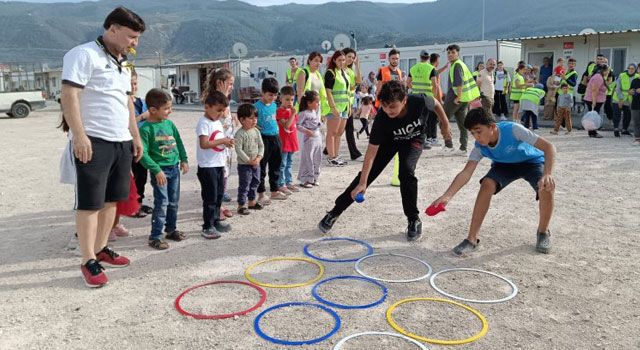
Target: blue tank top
[509, 149]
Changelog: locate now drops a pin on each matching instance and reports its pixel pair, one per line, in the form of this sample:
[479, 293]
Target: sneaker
[435, 143]
[278, 196]
[426, 145]
[616, 133]
[221, 227]
[553, 132]
[543, 244]
[73, 242]
[461, 152]
[359, 158]
[327, 222]
[626, 132]
[568, 133]
[465, 247]
[341, 161]
[293, 188]
[256, 206]
[93, 275]
[243, 211]
[414, 230]
[120, 230]
[307, 185]
[112, 235]
[210, 233]
[333, 162]
[447, 151]
[285, 190]
[176, 235]
[226, 197]
[158, 244]
[503, 118]
[112, 259]
[316, 183]
[596, 135]
[636, 143]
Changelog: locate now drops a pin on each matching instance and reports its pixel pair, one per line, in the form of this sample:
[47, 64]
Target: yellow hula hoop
[394, 325]
[247, 273]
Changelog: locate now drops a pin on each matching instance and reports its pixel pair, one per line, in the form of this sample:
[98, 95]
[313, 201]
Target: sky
[258, 2]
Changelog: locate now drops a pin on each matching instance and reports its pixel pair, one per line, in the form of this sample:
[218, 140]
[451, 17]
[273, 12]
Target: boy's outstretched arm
[547, 183]
[458, 182]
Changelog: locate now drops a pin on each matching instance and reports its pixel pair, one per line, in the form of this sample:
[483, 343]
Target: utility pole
[483, 3]
[160, 66]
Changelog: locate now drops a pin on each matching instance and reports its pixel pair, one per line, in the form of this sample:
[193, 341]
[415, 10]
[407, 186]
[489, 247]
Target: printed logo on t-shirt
[166, 143]
[408, 131]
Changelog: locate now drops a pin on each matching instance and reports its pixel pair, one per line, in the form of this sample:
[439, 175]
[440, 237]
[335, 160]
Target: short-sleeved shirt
[267, 118]
[210, 158]
[486, 81]
[330, 79]
[457, 81]
[105, 84]
[500, 77]
[597, 81]
[518, 147]
[288, 137]
[408, 128]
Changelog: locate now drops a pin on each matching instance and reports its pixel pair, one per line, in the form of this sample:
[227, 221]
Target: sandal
[227, 212]
[243, 211]
[176, 236]
[139, 214]
[158, 244]
[307, 185]
[256, 206]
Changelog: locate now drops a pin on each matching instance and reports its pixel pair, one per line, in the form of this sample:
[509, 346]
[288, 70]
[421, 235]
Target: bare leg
[546, 209]
[116, 221]
[106, 216]
[339, 132]
[516, 110]
[87, 227]
[332, 130]
[487, 189]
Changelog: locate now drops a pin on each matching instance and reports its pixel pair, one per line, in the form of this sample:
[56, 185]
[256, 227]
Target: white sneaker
[636, 143]
[446, 151]
[435, 143]
[461, 152]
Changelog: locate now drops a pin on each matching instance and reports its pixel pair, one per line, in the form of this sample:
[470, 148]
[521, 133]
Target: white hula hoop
[358, 270]
[514, 288]
[339, 345]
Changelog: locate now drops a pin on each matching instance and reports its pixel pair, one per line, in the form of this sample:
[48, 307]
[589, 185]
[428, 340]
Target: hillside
[201, 29]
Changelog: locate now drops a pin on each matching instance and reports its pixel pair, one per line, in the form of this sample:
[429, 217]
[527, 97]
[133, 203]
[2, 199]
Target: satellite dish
[240, 49]
[330, 53]
[587, 31]
[341, 41]
[326, 45]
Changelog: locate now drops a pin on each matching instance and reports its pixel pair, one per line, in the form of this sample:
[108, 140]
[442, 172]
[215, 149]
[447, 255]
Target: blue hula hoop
[256, 324]
[315, 294]
[363, 243]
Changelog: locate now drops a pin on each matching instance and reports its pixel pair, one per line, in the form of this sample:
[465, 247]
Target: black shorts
[105, 178]
[515, 101]
[505, 173]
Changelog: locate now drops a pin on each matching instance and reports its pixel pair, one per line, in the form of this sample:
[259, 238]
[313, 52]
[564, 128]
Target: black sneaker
[327, 222]
[146, 209]
[616, 133]
[222, 227]
[626, 132]
[543, 244]
[414, 230]
[465, 247]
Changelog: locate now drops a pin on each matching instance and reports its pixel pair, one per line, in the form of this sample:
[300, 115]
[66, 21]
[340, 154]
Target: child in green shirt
[165, 156]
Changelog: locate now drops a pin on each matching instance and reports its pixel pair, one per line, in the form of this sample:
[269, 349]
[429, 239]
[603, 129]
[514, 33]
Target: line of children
[165, 157]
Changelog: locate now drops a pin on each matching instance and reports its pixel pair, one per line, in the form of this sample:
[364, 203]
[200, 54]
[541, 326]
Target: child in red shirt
[287, 118]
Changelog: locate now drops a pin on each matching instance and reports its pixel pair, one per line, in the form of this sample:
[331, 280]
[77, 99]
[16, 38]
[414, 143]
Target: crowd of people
[116, 139]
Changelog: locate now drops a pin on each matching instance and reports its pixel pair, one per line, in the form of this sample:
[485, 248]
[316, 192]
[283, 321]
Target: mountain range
[207, 29]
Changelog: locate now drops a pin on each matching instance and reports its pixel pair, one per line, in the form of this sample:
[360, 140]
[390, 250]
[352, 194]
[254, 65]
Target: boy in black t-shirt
[399, 127]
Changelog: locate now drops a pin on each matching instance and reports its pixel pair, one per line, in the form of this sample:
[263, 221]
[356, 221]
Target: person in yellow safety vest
[571, 76]
[517, 88]
[355, 78]
[336, 84]
[622, 101]
[462, 91]
[529, 104]
[309, 78]
[476, 73]
[291, 72]
[423, 79]
[389, 72]
[611, 87]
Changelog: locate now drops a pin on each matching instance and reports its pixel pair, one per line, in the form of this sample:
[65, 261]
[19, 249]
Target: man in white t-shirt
[486, 85]
[96, 82]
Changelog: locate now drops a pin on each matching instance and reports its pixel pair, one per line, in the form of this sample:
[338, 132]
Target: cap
[529, 66]
[539, 86]
[424, 53]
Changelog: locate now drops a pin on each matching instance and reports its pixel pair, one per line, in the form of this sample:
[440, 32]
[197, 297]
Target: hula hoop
[394, 325]
[389, 334]
[336, 327]
[247, 273]
[514, 288]
[263, 298]
[358, 270]
[363, 243]
[315, 294]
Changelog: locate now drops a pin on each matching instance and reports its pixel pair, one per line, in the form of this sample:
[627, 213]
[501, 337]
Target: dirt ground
[584, 295]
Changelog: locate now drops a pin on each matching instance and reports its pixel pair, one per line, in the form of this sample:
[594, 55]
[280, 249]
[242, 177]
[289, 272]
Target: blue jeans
[165, 204]
[285, 169]
[248, 182]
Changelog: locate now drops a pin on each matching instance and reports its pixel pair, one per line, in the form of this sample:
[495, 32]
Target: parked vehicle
[19, 104]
